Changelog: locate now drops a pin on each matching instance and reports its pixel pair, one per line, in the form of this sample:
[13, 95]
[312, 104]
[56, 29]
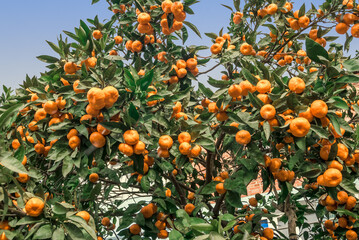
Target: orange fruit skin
[184, 137]
[135, 229]
[272, 8]
[50, 107]
[243, 137]
[118, 40]
[105, 221]
[246, 49]
[253, 202]
[147, 211]
[96, 98]
[126, 149]
[144, 18]
[268, 233]
[263, 86]
[299, 127]
[351, 235]
[195, 151]
[163, 234]
[131, 137]
[74, 142]
[296, 85]
[85, 215]
[220, 188]
[70, 68]
[111, 96]
[40, 114]
[267, 112]
[93, 177]
[97, 34]
[165, 142]
[355, 30]
[332, 177]
[34, 207]
[139, 148]
[342, 197]
[336, 164]
[319, 109]
[341, 28]
[97, 139]
[185, 148]
[189, 208]
[163, 153]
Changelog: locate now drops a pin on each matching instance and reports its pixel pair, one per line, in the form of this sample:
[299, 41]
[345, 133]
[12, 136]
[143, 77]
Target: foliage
[265, 120]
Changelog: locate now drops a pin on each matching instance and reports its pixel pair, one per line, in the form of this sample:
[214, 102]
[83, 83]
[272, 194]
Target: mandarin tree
[119, 139]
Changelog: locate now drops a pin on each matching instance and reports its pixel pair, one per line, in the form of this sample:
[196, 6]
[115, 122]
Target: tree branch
[178, 189]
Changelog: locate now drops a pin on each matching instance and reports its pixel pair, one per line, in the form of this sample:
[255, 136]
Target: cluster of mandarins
[217, 47]
[161, 220]
[266, 233]
[182, 67]
[165, 143]
[346, 20]
[178, 111]
[148, 212]
[133, 145]
[175, 8]
[106, 222]
[220, 112]
[98, 99]
[345, 222]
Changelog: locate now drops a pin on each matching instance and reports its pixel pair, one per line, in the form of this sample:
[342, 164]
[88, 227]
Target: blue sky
[25, 26]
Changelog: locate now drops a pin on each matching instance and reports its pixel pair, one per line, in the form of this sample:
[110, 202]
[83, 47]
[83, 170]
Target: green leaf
[348, 79]
[74, 232]
[349, 186]
[9, 113]
[266, 128]
[339, 103]
[209, 188]
[211, 35]
[175, 235]
[129, 78]
[314, 50]
[334, 119]
[194, 28]
[237, 4]
[248, 76]
[27, 220]
[44, 232]
[256, 102]
[84, 225]
[215, 236]
[203, 227]
[278, 80]
[11, 163]
[352, 65]
[234, 199]
[110, 72]
[58, 234]
[227, 7]
[206, 91]
[146, 81]
[132, 112]
[95, 191]
[321, 132]
[145, 183]
[47, 59]
[54, 47]
[67, 166]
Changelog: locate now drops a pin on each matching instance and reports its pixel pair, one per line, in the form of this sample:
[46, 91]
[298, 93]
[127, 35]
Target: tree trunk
[292, 218]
